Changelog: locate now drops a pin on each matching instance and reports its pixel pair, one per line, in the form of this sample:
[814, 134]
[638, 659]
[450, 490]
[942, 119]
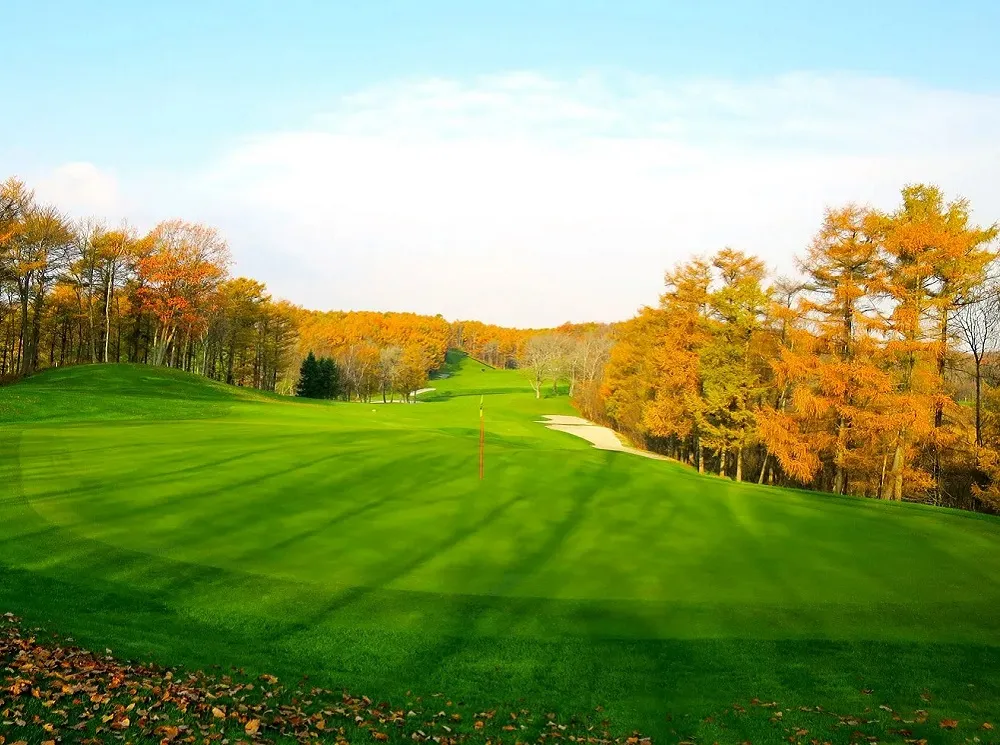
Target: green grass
[187, 522]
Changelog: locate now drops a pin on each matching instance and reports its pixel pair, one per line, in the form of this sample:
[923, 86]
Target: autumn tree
[117, 252]
[185, 264]
[41, 249]
[933, 257]
[673, 369]
[84, 277]
[631, 373]
[845, 384]
[411, 373]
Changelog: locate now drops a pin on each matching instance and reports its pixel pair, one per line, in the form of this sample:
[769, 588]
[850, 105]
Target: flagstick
[482, 438]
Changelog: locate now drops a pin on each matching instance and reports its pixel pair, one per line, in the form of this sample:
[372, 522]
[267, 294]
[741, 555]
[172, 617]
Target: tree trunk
[763, 468]
[107, 313]
[90, 315]
[979, 402]
[893, 487]
[722, 461]
[838, 479]
[939, 408]
[739, 464]
[34, 336]
[118, 343]
[23, 340]
[701, 457]
[839, 476]
[161, 344]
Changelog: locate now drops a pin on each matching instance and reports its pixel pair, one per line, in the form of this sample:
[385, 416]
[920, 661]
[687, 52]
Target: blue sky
[327, 140]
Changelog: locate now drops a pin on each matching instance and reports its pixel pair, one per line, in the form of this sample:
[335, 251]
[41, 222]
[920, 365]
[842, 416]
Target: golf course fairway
[178, 520]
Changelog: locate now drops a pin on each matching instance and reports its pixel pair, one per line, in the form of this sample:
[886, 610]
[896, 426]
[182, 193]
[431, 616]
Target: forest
[872, 372]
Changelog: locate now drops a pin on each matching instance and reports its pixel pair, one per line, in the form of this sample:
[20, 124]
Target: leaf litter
[53, 693]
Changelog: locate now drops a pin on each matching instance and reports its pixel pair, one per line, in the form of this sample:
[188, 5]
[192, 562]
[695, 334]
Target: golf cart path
[602, 438]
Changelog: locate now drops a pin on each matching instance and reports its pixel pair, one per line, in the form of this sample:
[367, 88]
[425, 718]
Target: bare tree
[539, 361]
[588, 357]
[978, 322]
[389, 361]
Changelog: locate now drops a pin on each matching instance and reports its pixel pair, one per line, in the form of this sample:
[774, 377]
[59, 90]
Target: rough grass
[185, 522]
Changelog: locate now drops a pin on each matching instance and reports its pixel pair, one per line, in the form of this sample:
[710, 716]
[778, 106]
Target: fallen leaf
[218, 713]
[949, 723]
[167, 732]
[987, 725]
[252, 726]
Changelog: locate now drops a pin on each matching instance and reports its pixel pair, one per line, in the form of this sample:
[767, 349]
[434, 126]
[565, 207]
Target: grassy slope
[165, 516]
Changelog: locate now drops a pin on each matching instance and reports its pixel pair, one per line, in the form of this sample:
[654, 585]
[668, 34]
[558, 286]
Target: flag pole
[482, 437]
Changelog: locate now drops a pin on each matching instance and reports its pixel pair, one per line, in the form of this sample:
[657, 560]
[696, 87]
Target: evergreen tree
[309, 378]
[328, 378]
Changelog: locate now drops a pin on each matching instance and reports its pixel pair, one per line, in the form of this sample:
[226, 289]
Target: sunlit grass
[162, 515]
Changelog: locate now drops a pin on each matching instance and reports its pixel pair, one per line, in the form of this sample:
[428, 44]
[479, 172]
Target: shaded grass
[194, 523]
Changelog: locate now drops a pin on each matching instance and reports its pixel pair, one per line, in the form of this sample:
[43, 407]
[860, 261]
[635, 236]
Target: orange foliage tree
[183, 267]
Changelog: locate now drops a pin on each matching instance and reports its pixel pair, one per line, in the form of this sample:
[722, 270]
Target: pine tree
[328, 384]
[308, 385]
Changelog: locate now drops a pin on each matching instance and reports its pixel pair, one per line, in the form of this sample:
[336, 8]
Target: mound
[103, 392]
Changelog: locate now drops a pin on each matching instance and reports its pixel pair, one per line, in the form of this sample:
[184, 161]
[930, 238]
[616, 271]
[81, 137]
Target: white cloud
[82, 189]
[527, 200]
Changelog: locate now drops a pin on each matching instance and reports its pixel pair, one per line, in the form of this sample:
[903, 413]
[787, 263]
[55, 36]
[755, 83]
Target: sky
[522, 163]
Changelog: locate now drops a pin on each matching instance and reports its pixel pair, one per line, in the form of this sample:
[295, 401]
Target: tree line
[74, 291]
[853, 378]
[79, 291]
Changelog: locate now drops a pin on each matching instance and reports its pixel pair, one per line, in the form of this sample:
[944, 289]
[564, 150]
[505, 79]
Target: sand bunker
[600, 437]
[401, 401]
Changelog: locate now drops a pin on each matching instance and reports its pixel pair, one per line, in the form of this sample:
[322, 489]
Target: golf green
[179, 520]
